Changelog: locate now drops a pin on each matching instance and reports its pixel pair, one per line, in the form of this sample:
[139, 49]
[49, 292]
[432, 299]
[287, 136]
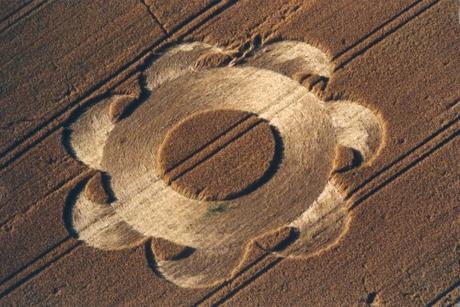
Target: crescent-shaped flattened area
[153, 208]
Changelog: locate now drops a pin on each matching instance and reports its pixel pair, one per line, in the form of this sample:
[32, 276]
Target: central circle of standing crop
[217, 154]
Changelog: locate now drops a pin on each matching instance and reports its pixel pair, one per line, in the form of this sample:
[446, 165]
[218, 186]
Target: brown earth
[166, 250]
[399, 58]
[230, 152]
[346, 159]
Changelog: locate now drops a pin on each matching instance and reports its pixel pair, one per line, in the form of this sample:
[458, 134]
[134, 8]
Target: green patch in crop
[216, 209]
